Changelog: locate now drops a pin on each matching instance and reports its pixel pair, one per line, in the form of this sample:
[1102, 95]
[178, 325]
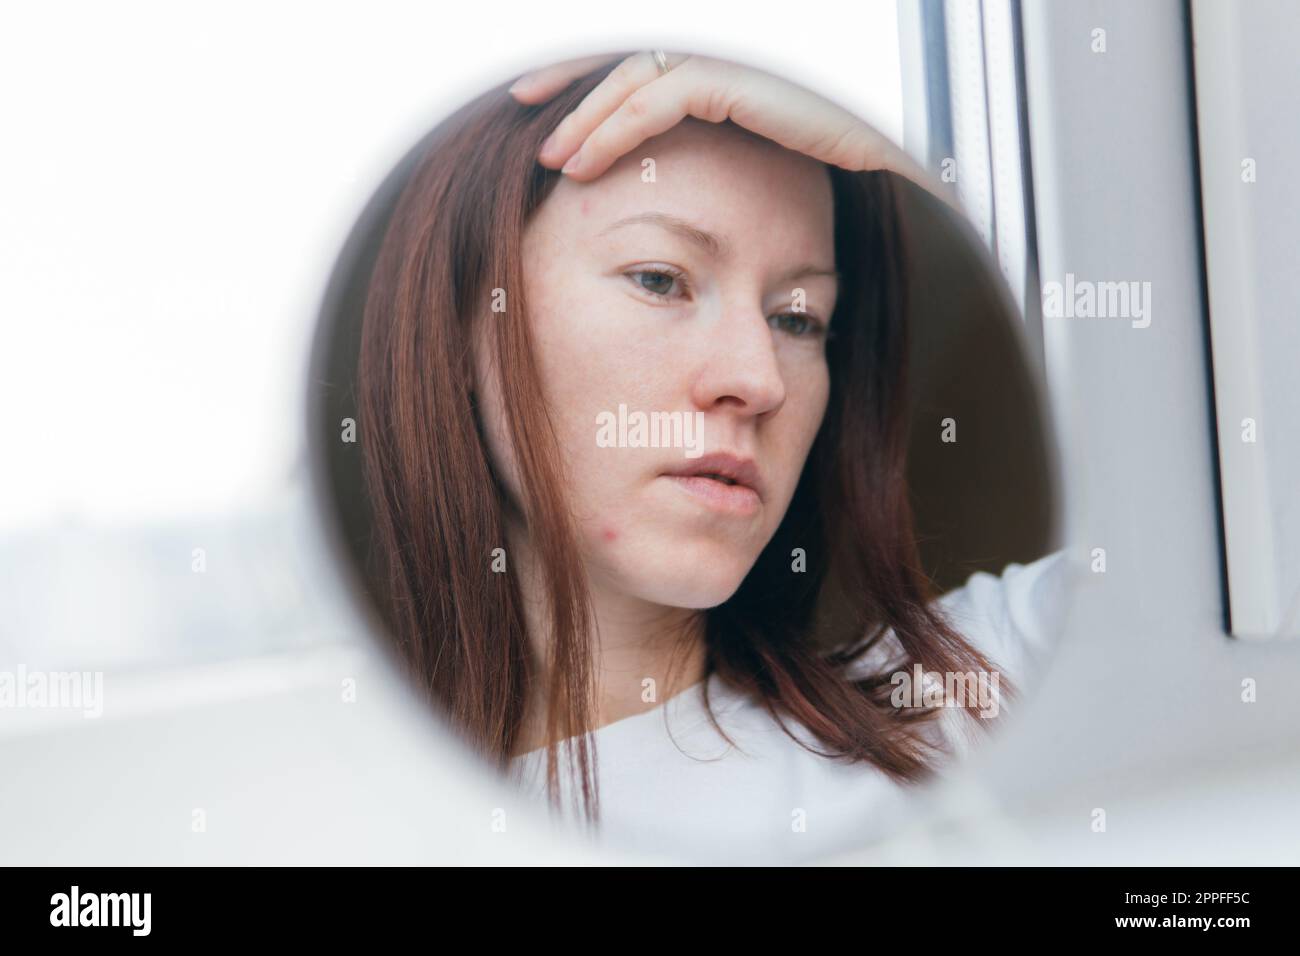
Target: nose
[742, 369]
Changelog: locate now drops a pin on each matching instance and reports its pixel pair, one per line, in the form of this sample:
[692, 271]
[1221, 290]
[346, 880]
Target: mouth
[722, 482]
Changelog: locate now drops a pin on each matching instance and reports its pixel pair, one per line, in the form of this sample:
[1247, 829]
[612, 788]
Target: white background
[178, 178]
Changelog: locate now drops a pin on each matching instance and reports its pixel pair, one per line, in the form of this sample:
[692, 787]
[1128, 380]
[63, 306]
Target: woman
[720, 254]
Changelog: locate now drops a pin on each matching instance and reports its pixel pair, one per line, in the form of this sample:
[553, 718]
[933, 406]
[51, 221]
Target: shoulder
[1012, 617]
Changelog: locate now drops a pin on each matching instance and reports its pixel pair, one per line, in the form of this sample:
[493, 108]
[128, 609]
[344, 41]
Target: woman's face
[670, 293]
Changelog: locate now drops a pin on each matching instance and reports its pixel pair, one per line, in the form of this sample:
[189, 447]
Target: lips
[722, 466]
[722, 481]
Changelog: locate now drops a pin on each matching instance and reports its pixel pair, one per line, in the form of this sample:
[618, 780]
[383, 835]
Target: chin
[697, 583]
[696, 598]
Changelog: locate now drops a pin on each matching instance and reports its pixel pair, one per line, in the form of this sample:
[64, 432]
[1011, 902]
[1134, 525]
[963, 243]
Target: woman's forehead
[718, 178]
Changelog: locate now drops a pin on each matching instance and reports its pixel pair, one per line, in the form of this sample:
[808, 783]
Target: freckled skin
[603, 340]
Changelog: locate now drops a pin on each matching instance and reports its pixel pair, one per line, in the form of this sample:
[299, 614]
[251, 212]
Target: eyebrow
[715, 245]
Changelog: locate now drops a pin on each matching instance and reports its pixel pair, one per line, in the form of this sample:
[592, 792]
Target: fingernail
[574, 162]
[520, 85]
[547, 145]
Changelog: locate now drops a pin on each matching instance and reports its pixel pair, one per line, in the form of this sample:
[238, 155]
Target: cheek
[587, 345]
[823, 401]
[590, 349]
[808, 399]
[587, 367]
[807, 412]
[818, 416]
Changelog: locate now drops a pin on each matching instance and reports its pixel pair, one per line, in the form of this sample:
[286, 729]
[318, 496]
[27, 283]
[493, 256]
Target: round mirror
[705, 490]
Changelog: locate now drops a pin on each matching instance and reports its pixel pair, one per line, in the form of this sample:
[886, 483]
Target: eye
[799, 324]
[658, 281]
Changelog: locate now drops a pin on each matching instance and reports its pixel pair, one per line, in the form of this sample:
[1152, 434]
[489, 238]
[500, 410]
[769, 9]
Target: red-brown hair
[438, 511]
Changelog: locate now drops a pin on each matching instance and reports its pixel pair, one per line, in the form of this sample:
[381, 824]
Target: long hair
[438, 511]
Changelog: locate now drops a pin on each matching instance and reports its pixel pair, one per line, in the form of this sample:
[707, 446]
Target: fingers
[649, 111]
[538, 86]
[634, 102]
[625, 79]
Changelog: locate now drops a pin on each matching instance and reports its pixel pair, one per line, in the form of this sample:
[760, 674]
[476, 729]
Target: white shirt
[693, 796]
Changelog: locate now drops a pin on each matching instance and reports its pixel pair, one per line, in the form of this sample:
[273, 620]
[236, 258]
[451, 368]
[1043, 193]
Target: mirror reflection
[685, 444]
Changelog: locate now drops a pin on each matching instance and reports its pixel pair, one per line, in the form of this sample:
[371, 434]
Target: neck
[642, 654]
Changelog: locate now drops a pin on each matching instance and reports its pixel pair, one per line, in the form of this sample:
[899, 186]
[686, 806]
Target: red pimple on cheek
[584, 207]
[608, 533]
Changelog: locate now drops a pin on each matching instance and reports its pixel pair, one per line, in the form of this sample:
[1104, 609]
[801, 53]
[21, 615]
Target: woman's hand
[635, 102]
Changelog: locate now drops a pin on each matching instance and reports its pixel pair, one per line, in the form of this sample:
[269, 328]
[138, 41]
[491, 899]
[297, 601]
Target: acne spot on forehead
[608, 533]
